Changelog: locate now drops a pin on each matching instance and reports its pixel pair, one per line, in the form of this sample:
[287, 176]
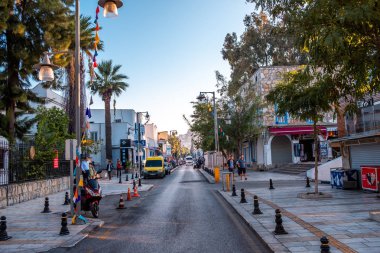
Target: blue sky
[170, 50]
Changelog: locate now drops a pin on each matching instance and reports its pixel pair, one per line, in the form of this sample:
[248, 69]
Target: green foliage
[109, 82]
[175, 143]
[303, 94]
[238, 119]
[51, 133]
[263, 43]
[28, 28]
[340, 37]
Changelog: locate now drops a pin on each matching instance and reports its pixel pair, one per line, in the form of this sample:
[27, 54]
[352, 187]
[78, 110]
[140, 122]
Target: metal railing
[16, 167]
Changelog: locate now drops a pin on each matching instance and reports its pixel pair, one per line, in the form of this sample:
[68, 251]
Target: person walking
[231, 166]
[109, 169]
[118, 167]
[242, 169]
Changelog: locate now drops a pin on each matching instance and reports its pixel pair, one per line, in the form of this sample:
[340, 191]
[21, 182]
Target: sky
[170, 50]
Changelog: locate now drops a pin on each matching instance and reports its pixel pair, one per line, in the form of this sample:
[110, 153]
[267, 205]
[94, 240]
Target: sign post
[70, 145]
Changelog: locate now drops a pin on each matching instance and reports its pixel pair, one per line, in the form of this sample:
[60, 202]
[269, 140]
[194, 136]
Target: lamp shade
[110, 7]
[45, 69]
[46, 74]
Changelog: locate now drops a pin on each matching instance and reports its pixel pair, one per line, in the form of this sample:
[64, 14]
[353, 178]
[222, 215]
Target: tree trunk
[107, 108]
[83, 100]
[70, 96]
[316, 146]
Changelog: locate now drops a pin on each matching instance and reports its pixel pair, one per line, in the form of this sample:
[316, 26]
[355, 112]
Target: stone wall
[17, 193]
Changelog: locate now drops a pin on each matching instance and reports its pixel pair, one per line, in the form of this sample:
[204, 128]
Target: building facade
[283, 139]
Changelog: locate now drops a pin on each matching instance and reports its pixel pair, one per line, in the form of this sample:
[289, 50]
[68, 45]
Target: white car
[189, 160]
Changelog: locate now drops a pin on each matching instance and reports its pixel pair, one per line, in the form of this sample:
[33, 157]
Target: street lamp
[139, 136]
[110, 7]
[202, 97]
[46, 74]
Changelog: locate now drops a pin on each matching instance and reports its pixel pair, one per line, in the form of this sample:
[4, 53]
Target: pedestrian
[85, 166]
[109, 169]
[231, 164]
[242, 169]
[118, 167]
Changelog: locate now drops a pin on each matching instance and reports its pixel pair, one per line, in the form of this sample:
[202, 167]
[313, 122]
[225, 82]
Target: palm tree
[87, 35]
[108, 82]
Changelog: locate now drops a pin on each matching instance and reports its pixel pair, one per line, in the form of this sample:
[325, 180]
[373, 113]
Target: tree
[28, 28]
[237, 119]
[306, 98]
[175, 143]
[51, 132]
[341, 39]
[263, 43]
[239, 116]
[108, 82]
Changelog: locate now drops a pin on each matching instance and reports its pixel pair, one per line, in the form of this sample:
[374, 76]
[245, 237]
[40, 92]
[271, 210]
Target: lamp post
[46, 72]
[216, 135]
[139, 137]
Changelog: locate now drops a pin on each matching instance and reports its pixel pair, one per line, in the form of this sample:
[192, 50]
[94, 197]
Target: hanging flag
[76, 198]
[88, 110]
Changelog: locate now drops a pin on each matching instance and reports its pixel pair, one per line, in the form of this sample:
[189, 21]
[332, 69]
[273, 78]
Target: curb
[266, 237]
[82, 234]
[208, 177]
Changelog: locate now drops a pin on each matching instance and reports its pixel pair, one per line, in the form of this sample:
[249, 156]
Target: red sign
[55, 160]
[370, 178]
[55, 163]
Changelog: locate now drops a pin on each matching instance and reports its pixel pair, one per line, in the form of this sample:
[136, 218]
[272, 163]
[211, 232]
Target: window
[94, 136]
[153, 163]
[281, 120]
[117, 120]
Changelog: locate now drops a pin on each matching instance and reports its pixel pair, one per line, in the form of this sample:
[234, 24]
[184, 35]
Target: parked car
[168, 168]
[154, 167]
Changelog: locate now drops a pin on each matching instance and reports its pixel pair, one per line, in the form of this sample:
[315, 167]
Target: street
[182, 213]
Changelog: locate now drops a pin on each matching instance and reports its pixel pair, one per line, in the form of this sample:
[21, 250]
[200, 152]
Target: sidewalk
[344, 218]
[33, 231]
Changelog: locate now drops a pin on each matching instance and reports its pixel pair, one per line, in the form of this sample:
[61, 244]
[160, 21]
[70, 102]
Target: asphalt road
[182, 213]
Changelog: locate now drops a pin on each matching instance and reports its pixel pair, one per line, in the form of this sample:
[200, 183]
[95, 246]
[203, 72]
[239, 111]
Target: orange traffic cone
[121, 202]
[129, 198]
[135, 193]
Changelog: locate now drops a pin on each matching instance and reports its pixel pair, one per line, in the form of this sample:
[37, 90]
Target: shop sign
[369, 178]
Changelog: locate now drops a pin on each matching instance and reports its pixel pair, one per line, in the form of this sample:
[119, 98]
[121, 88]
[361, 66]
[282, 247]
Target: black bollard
[126, 177]
[242, 195]
[132, 176]
[279, 230]
[3, 229]
[136, 175]
[134, 184]
[46, 207]
[119, 176]
[271, 184]
[256, 207]
[64, 229]
[139, 182]
[234, 191]
[325, 248]
[67, 199]
[307, 182]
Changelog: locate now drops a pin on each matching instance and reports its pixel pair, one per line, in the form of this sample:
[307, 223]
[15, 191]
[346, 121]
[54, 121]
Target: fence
[16, 167]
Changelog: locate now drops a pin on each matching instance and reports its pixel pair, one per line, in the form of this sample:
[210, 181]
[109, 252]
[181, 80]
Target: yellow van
[154, 167]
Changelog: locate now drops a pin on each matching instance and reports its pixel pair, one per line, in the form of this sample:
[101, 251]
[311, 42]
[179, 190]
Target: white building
[123, 127]
[186, 139]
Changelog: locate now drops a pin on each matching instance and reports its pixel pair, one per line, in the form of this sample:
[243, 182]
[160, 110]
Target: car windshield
[153, 163]
[189, 158]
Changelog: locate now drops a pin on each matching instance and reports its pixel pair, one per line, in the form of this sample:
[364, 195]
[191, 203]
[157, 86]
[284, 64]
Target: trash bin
[336, 175]
[351, 179]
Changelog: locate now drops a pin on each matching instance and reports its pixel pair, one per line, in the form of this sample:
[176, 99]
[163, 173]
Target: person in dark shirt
[242, 169]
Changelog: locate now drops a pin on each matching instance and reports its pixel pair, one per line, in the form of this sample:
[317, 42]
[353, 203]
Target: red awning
[295, 130]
